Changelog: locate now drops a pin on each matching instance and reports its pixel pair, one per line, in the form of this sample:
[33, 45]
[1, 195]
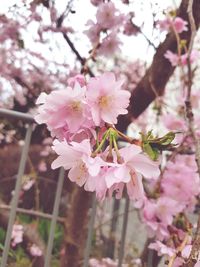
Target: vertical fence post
[90, 232]
[15, 198]
[55, 216]
[110, 248]
[123, 234]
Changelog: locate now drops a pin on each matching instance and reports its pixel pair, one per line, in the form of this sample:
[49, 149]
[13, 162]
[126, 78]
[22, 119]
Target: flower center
[108, 15]
[104, 101]
[76, 106]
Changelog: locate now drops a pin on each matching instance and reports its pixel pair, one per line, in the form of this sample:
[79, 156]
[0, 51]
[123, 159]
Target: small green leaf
[166, 139]
[152, 153]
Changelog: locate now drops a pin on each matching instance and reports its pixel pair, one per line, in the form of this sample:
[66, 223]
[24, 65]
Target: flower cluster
[172, 183]
[165, 216]
[82, 119]
[81, 107]
[176, 23]
[108, 19]
[175, 59]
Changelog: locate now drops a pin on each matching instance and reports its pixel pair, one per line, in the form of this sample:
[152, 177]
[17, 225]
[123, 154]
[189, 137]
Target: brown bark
[75, 229]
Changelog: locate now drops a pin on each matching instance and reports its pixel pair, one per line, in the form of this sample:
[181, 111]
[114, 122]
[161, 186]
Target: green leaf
[152, 145]
[152, 153]
[165, 140]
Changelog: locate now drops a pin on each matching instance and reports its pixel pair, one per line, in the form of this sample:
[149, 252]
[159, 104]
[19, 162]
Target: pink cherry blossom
[166, 208]
[176, 60]
[172, 57]
[42, 166]
[97, 184]
[77, 158]
[17, 234]
[35, 251]
[93, 32]
[63, 109]
[130, 172]
[106, 98]
[107, 16]
[180, 25]
[130, 28]
[177, 23]
[173, 185]
[172, 122]
[164, 24]
[193, 57]
[178, 262]
[110, 45]
[158, 214]
[80, 79]
[162, 249]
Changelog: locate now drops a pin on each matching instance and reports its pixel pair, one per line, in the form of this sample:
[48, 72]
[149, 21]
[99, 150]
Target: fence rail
[28, 118]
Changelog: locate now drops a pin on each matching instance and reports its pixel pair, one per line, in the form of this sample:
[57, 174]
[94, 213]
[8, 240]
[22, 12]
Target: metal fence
[9, 114]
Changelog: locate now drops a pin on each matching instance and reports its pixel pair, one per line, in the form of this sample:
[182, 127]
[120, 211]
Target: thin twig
[193, 258]
[32, 213]
[76, 52]
[147, 39]
[81, 59]
[179, 250]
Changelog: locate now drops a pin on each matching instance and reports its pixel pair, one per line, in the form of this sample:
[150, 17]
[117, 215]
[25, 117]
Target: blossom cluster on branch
[82, 119]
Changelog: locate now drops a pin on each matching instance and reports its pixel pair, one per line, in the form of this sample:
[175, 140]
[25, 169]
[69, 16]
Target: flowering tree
[119, 125]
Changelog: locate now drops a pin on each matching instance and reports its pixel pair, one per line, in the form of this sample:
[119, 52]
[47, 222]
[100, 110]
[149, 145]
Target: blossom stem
[101, 144]
[110, 156]
[97, 141]
[119, 158]
[179, 249]
[125, 137]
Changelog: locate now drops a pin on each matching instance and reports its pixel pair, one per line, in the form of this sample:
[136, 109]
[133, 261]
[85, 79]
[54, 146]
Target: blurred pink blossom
[176, 60]
[162, 249]
[110, 45]
[180, 25]
[107, 16]
[177, 23]
[17, 234]
[35, 251]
